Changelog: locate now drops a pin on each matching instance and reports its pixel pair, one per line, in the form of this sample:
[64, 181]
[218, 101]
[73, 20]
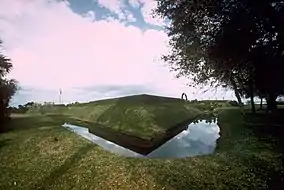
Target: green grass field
[38, 153]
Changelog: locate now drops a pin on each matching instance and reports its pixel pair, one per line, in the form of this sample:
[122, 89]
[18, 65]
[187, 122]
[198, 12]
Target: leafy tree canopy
[7, 89]
[236, 44]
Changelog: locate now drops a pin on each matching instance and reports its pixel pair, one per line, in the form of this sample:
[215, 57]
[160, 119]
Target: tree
[29, 104]
[7, 89]
[237, 44]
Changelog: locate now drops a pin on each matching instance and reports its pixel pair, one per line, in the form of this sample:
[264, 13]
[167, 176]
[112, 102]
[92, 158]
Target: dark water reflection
[207, 120]
[199, 138]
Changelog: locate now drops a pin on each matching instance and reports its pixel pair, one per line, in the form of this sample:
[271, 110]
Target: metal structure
[184, 95]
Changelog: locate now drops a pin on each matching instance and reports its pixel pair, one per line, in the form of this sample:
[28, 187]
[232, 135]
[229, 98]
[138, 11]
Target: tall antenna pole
[60, 93]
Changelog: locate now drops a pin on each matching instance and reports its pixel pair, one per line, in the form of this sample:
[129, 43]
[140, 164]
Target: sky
[91, 49]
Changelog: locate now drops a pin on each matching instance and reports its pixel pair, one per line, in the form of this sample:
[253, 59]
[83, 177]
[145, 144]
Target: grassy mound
[142, 116]
[146, 116]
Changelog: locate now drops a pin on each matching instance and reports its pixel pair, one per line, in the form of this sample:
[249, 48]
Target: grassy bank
[39, 154]
[142, 116]
[140, 123]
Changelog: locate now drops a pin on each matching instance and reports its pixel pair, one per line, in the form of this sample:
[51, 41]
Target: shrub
[233, 103]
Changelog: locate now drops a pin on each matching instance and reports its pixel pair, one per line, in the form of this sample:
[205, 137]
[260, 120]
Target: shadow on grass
[31, 122]
[61, 170]
[264, 170]
[269, 129]
[4, 142]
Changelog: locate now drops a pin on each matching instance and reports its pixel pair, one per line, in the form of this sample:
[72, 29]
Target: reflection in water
[199, 138]
[207, 120]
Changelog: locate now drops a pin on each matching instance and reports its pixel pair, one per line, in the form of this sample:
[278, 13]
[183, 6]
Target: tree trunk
[1, 123]
[271, 102]
[2, 116]
[237, 94]
[251, 91]
[252, 103]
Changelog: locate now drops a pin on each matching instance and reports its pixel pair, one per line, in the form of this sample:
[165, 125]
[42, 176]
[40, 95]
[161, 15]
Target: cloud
[116, 89]
[90, 16]
[55, 47]
[129, 16]
[146, 10]
[117, 7]
[81, 94]
[136, 3]
[52, 47]
[110, 91]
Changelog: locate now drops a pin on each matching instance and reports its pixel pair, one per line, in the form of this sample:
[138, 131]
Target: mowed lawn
[38, 153]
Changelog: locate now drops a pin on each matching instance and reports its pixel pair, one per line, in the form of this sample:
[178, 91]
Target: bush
[280, 103]
[233, 103]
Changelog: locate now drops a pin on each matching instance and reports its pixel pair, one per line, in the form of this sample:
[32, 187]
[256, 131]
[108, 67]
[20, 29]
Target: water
[199, 138]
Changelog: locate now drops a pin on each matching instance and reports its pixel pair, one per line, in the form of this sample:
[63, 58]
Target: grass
[142, 116]
[140, 123]
[39, 154]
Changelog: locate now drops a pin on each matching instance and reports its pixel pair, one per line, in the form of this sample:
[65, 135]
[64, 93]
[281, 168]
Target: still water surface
[199, 138]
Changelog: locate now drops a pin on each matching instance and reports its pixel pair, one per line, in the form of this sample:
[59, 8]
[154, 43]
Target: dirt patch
[46, 127]
[51, 146]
